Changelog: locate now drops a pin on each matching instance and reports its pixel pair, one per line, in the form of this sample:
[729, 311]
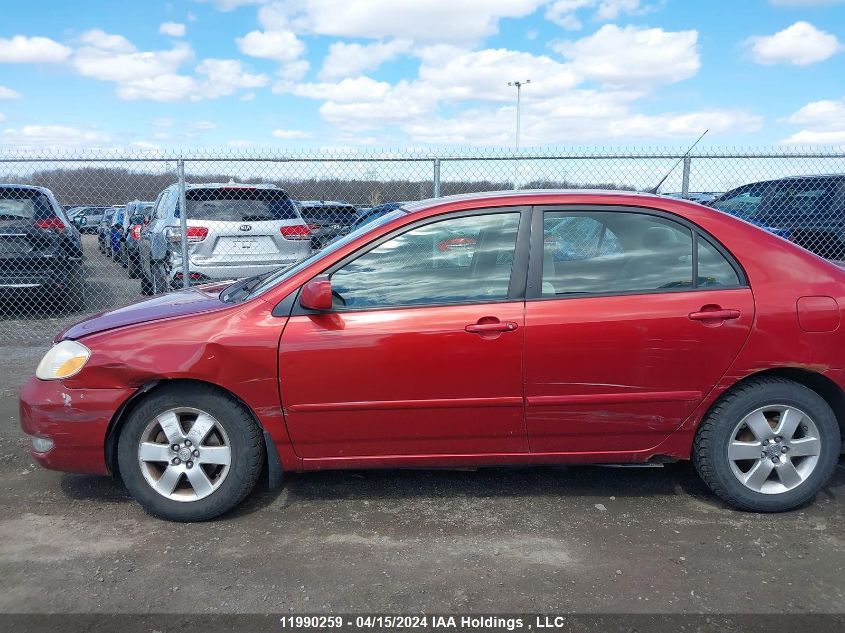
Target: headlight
[65, 359]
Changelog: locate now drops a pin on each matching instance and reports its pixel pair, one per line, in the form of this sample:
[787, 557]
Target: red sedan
[501, 328]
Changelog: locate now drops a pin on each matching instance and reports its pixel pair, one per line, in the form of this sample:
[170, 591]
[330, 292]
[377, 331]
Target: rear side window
[713, 268]
[24, 204]
[239, 205]
[800, 198]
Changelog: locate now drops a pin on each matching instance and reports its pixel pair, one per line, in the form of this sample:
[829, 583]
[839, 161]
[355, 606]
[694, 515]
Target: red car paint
[585, 379]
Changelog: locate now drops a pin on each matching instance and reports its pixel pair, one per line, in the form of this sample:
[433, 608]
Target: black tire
[158, 283]
[710, 449]
[132, 267]
[246, 443]
[74, 296]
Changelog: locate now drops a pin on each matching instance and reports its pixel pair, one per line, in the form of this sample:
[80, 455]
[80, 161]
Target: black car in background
[810, 209]
[40, 250]
[327, 219]
[136, 216]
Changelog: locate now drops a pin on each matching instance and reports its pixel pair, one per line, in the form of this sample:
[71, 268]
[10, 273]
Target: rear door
[422, 353]
[623, 339]
[245, 226]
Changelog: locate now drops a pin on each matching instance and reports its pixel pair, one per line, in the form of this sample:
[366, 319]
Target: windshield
[235, 204]
[285, 273]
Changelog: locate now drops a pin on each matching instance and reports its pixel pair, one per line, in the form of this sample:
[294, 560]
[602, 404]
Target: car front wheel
[768, 446]
[190, 453]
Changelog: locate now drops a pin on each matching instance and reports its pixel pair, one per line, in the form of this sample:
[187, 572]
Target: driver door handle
[714, 315]
[483, 328]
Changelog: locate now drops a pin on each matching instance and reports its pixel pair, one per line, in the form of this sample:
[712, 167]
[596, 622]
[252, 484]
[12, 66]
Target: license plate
[246, 245]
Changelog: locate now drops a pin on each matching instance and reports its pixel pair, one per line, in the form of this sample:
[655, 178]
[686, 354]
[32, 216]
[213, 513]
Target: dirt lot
[585, 539]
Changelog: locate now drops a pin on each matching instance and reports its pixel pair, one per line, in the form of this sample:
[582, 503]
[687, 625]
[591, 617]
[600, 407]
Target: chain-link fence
[92, 230]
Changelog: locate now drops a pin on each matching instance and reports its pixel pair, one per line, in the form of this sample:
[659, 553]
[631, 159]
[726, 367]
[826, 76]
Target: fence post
[685, 180]
[436, 177]
[183, 222]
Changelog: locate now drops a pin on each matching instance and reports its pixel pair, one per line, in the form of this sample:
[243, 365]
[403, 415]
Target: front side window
[457, 260]
[607, 252]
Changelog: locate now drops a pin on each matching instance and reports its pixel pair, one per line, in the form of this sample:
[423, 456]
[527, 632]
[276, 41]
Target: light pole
[518, 85]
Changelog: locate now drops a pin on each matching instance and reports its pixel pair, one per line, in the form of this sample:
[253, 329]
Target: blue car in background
[116, 234]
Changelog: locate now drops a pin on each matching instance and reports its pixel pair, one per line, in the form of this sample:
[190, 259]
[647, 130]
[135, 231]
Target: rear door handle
[714, 315]
[483, 328]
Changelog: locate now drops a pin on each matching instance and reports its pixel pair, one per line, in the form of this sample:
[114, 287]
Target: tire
[132, 267]
[158, 283]
[146, 286]
[74, 297]
[746, 453]
[222, 486]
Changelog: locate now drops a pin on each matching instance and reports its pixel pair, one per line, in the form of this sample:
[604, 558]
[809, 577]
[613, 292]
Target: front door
[422, 352]
[627, 331]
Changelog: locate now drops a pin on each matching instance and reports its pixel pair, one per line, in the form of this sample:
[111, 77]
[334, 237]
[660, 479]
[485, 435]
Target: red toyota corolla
[501, 328]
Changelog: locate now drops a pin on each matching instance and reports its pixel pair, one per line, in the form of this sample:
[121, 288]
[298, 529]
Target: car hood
[174, 304]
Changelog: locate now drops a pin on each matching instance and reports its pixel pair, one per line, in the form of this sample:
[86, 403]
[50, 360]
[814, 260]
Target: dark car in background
[369, 214]
[40, 250]
[136, 218]
[327, 219]
[809, 210]
[104, 230]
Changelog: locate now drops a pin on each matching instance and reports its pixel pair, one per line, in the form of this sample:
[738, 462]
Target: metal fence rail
[248, 212]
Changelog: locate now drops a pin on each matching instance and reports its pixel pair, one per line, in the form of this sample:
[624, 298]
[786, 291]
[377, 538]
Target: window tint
[614, 252]
[235, 204]
[792, 198]
[743, 202]
[23, 204]
[713, 268]
[456, 260]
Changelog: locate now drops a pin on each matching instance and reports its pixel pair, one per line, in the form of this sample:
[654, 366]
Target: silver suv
[233, 231]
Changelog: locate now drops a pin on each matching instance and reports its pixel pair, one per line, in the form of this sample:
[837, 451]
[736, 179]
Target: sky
[420, 73]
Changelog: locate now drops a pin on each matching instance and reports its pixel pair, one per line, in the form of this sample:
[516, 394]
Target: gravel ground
[559, 539]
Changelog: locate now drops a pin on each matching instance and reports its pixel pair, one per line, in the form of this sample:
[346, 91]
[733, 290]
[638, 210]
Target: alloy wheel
[184, 454]
[774, 449]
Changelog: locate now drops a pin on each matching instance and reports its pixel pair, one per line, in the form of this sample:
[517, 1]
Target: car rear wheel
[768, 446]
[190, 453]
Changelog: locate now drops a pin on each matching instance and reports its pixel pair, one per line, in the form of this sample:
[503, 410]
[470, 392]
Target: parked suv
[39, 248]
[811, 209]
[233, 231]
[328, 219]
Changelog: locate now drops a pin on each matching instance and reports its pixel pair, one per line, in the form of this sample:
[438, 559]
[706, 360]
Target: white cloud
[823, 123]
[113, 58]
[52, 136]
[349, 60]
[203, 125]
[174, 29]
[290, 134]
[163, 122]
[32, 50]
[226, 76]
[348, 90]
[565, 12]
[167, 87]
[231, 5]
[485, 74]
[440, 21]
[279, 45]
[633, 56]
[156, 75]
[800, 44]
[8, 93]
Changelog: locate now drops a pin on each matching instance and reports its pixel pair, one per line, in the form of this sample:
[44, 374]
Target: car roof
[527, 195]
[324, 203]
[228, 185]
[30, 187]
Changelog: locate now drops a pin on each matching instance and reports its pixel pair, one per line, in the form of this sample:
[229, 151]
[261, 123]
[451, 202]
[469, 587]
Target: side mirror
[317, 294]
